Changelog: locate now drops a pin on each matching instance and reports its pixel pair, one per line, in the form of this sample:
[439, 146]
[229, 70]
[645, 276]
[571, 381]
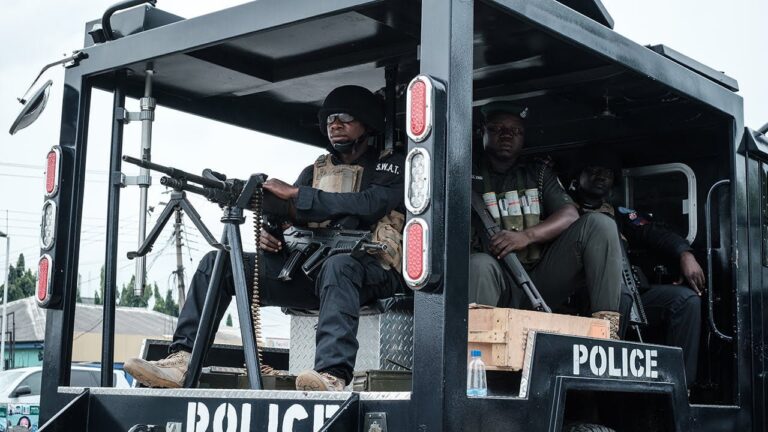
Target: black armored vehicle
[676, 125]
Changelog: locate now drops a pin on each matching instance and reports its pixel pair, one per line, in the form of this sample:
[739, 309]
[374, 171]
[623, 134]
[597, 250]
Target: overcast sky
[729, 36]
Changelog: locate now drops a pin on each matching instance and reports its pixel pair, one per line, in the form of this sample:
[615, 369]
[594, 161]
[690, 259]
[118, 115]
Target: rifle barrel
[173, 172]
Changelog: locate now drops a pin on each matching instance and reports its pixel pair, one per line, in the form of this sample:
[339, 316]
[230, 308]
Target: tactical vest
[508, 209]
[348, 178]
[335, 178]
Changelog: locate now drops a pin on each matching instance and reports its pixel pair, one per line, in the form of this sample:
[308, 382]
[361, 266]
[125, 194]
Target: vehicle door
[28, 390]
[756, 145]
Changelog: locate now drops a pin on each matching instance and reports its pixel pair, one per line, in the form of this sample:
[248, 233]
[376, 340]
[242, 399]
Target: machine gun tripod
[233, 196]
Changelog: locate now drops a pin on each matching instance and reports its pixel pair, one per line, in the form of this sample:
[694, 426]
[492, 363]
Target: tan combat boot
[166, 373]
[613, 318]
[311, 380]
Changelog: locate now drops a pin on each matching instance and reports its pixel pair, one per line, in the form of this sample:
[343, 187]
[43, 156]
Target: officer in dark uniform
[351, 117]
[673, 310]
[561, 251]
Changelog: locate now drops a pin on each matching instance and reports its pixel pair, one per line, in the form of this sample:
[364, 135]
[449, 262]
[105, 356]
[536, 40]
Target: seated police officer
[673, 310]
[561, 251]
[354, 183]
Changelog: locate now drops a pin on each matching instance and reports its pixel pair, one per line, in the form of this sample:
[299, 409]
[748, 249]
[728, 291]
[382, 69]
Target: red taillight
[52, 165]
[419, 107]
[415, 263]
[44, 280]
[416, 259]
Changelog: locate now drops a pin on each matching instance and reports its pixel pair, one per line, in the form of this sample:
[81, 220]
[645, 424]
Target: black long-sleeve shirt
[640, 230]
[381, 191]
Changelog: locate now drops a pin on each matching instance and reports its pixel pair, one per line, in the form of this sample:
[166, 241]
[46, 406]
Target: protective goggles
[342, 117]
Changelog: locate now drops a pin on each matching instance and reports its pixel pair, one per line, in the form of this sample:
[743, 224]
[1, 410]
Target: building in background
[26, 333]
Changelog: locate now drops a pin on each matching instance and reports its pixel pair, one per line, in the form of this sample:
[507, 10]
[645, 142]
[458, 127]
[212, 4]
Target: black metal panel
[208, 30]
[592, 38]
[72, 417]
[554, 381]
[700, 68]
[113, 219]
[347, 418]
[757, 196]
[440, 335]
[59, 325]
[742, 367]
[592, 8]
[267, 79]
[263, 68]
[206, 410]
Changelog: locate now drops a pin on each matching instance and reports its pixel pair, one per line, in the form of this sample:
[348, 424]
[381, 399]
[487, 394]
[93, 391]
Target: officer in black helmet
[354, 186]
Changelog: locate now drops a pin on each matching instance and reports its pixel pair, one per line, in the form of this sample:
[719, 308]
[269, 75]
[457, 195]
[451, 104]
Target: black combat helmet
[357, 101]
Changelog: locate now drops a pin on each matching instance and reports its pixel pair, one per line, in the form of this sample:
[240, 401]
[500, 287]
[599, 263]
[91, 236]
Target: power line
[39, 213]
[42, 168]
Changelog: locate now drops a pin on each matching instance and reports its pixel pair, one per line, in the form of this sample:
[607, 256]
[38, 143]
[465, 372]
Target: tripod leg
[204, 336]
[195, 218]
[152, 237]
[243, 307]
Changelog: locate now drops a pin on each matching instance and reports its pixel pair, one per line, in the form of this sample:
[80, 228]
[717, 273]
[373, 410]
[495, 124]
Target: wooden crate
[501, 334]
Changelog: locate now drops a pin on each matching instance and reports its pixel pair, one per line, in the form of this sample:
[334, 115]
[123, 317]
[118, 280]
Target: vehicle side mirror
[21, 391]
[32, 108]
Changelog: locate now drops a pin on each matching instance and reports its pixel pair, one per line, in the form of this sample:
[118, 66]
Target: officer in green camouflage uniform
[574, 252]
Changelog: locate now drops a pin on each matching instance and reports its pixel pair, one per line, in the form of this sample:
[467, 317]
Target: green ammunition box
[382, 380]
[236, 378]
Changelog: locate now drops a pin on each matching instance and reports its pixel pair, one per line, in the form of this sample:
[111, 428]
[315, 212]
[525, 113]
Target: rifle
[637, 314]
[510, 263]
[309, 248]
[214, 186]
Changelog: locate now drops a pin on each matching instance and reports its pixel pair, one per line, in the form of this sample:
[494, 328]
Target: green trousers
[587, 254]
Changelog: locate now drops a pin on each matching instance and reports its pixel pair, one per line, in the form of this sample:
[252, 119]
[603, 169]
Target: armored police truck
[676, 125]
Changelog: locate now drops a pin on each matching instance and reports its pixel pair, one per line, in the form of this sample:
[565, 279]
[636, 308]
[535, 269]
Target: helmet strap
[344, 147]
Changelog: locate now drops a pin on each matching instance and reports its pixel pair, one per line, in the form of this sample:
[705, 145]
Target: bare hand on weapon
[281, 189]
[691, 272]
[505, 242]
[268, 242]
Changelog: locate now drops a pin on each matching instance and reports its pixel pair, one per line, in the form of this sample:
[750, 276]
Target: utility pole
[179, 263]
[5, 290]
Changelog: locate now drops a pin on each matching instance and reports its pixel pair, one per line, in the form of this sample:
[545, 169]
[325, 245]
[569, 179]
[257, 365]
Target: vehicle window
[83, 378]
[7, 378]
[675, 207]
[33, 381]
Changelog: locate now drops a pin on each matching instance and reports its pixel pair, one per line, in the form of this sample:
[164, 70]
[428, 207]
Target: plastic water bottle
[477, 386]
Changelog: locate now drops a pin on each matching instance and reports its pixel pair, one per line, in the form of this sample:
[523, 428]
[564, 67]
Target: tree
[130, 299]
[171, 307]
[166, 305]
[99, 294]
[159, 301]
[229, 320]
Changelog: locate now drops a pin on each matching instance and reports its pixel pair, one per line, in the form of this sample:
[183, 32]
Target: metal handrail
[106, 26]
[710, 295]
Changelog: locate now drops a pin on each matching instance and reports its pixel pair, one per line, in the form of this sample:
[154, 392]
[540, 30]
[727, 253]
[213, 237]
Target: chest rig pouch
[348, 178]
[329, 177]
